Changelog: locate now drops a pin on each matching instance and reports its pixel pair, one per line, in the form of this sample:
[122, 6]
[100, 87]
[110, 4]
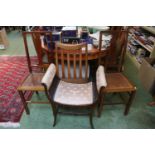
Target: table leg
[127, 107]
[24, 102]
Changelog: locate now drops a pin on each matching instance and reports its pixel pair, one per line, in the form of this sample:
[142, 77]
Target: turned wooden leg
[24, 102]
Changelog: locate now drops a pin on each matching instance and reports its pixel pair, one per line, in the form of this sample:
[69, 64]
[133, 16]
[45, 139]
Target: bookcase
[4, 43]
[141, 43]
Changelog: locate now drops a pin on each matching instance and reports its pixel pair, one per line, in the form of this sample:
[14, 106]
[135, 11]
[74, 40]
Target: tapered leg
[91, 120]
[55, 119]
[24, 102]
[127, 107]
[55, 112]
[100, 105]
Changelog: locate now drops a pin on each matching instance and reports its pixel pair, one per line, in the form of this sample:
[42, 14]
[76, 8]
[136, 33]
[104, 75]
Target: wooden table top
[93, 53]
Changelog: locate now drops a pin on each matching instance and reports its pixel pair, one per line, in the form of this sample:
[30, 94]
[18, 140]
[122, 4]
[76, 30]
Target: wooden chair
[116, 49]
[117, 83]
[67, 83]
[32, 83]
[37, 38]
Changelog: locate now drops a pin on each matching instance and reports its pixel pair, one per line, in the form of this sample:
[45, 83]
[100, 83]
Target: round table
[93, 53]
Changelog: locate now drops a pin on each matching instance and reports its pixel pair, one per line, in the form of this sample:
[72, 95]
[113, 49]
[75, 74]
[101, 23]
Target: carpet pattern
[12, 71]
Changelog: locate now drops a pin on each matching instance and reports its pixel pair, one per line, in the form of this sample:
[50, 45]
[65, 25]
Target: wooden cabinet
[4, 43]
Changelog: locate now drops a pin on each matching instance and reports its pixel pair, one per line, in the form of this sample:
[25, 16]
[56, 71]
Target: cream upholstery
[100, 78]
[49, 75]
[74, 94]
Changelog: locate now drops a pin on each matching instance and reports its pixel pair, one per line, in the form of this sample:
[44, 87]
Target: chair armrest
[49, 76]
[100, 78]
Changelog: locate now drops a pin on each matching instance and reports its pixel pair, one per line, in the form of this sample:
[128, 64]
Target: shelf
[140, 43]
[134, 36]
[149, 29]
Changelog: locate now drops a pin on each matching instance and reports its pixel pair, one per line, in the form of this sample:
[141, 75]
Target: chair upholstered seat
[74, 94]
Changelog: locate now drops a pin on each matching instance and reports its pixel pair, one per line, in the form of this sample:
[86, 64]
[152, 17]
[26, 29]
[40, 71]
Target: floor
[141, 116]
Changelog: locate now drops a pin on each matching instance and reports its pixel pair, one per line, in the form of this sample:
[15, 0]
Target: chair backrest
[37, 37]
[72, 62]
[116, 27]
[117, 48]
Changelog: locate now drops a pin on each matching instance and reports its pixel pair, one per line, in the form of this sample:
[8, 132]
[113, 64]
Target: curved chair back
[72, 62]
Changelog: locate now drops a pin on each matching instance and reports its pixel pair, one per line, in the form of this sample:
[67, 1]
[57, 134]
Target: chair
[37, 38]
[117, 83]
[116, 48]
[32, 83]
[67, 83]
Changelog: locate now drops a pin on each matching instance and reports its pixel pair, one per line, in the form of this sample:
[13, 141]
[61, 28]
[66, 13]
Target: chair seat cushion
[74, 94]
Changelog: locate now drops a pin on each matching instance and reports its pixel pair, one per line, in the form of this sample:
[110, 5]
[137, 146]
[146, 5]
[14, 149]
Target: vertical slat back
[86, 64]
[68, 65]
[80, 65]
[56, 62]
[62, 64]
[68, 56]
[37, 44]
[27, 51]
[74, 63]
[117, 48]
[124, 42]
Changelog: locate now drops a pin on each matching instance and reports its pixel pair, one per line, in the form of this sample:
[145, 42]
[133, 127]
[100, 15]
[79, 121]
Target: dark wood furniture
[67, 83]
[117, 49]
[31, 83]
[93, 53]
[37, 38]
[116, 27]
[118, 83]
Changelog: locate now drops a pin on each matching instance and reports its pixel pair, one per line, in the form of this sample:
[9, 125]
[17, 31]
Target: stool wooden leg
[127, 107]
[24, 102]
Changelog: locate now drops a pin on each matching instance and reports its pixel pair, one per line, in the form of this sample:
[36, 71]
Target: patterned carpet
[12, 71]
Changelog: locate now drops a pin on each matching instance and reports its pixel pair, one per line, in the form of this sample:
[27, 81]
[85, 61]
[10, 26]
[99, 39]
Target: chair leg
[55, 116]
[55, 119]
[127, 107]
[91, 119]
[24, 102]
[100, 105]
